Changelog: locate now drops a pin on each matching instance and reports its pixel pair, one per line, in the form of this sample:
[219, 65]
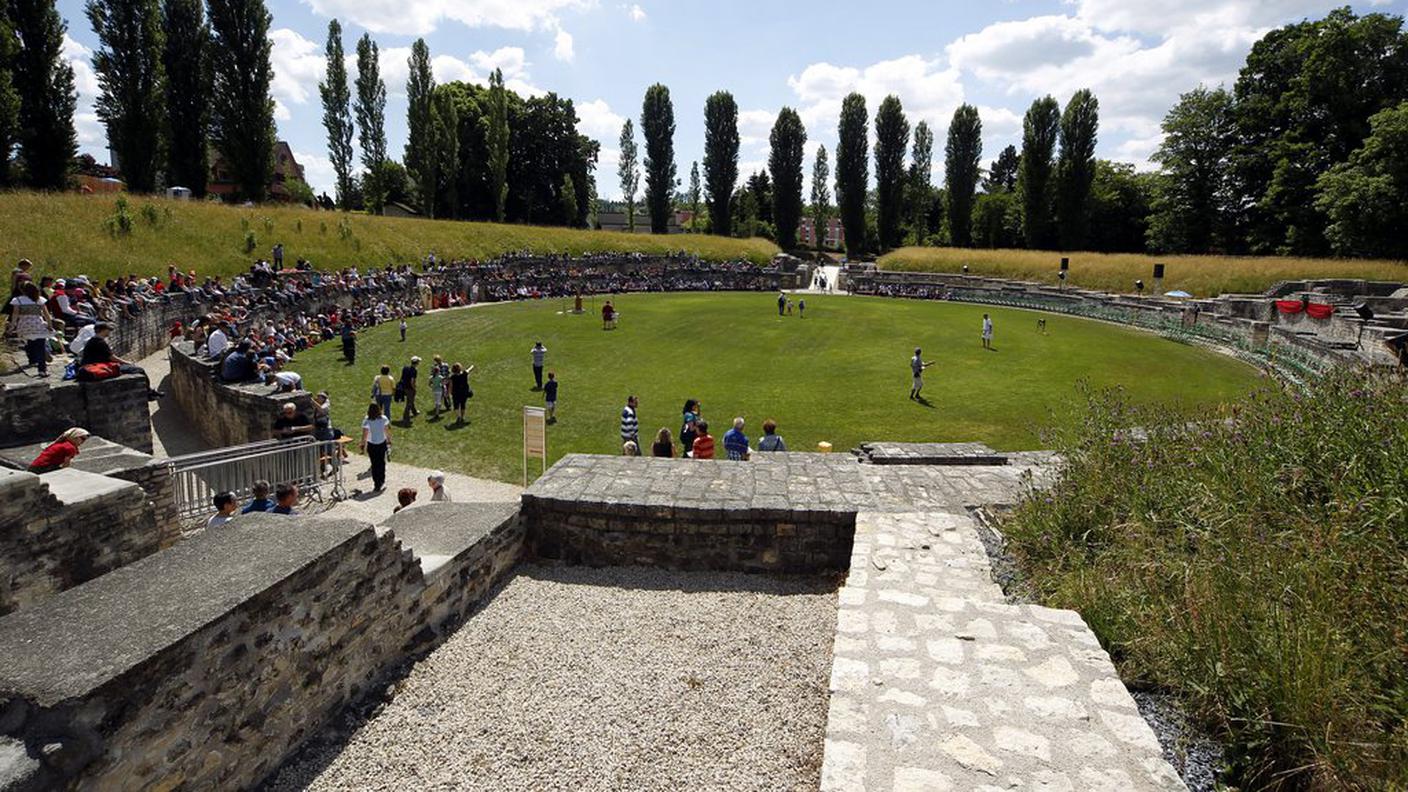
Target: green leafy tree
[1192, 206]
[720, 157]
[1040, 129]
[569, 201]
[788, 148]
[745, 213]
[242, 111]
[129, 70]
[9, 99]
[1302, 104]
[628, 168]
[421, 161]
[185, 60]
[997, 220]
[891, 142]
[44, 82]
[821, 196]
[657, 124]
[446, 144]
[1075, 169]
[694, 195]
[298, 191]
[1120, 203]
[370, 109]
[1366, 197]
[497, 138]
[1002, 174]
[963, 155]
[920, 187]
[760, 185]
[337, 114]
[853, 171]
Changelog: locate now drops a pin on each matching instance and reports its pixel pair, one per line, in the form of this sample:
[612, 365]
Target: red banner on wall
[1320, 310]
[1289, 306]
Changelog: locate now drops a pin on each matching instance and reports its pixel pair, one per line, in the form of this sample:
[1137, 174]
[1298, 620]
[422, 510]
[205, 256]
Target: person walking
[539, 352]
[31, 321]
[630, 426]
[987, 332]
[349, 343]
[384, 390]
[408, 389]
[403, 329]
[781, 304]
[917, 364]
[439, 372]
[550, 397]
[802, 308]
[376, 441]
[687, 426]
[460, 391]
[436, 482]
[771, 441]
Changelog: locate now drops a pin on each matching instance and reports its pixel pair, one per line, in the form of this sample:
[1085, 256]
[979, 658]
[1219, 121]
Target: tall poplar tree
[963, 155]
[420, 143]
[9, 100]
[44, 82]
[821, 196]
[129, 70]
[720, 158]
[1002, 174]
[242, 111]
[657, 123]
[1075, 170]
[628, 169]
[370, 108]
[1040, 129]
[337, 114]
[185, 59]
[496, 139]
[921, 174]
[853, 170]
[788, 148]
[891, 142]
[694, 195]
[446, 122]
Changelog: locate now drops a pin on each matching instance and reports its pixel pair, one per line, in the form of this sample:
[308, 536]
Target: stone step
[938, 683]
[73, 487]
[438, 533]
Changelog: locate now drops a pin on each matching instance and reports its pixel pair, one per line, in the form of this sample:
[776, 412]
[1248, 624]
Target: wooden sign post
[535, 438]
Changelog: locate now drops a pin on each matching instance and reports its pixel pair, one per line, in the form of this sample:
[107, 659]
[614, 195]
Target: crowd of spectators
[915, 291]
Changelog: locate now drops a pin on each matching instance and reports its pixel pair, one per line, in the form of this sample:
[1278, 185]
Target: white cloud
[299, 65]
[92, 136]
[597, 120]
[317, 171]
[928, 88]
[512, 60]
[1154, 16]
[423, 16]
[754, 127]
[562, 47]
[637, 13]
[1008, 50]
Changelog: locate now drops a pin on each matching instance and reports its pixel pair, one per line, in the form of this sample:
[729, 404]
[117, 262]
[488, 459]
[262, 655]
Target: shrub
[250, 242]
[151, 215]
[1255, 565]
[120, 222]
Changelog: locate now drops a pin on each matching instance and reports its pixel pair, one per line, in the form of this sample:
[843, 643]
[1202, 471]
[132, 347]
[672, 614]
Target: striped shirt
[630, 428]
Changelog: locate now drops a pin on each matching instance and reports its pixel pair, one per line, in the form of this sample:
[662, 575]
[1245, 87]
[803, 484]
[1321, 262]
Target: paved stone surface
[930, 454]
[365, 504]
[937, 683]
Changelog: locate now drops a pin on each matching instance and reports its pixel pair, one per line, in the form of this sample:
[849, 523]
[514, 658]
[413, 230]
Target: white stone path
[939, 684]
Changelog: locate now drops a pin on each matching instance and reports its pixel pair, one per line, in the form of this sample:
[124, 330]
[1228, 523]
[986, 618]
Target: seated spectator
[60, 453]
[629, 448]
[771, 441]
[664, 445]
[98, 350]
[736, 443]
[225, 506]
[80, 341]
[260, 501]
[217, 342]
[436, 480]
[239, 365]
[286, 497]
[703, 441]
[291, 423]
[404, 497]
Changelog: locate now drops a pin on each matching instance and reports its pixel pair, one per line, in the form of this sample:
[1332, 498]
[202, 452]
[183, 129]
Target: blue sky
[1137, 55]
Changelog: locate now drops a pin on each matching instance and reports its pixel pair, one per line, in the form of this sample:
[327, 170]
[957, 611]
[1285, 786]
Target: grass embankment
[840, 375]
[68, 234]
[1258, 567]
[1202, 276]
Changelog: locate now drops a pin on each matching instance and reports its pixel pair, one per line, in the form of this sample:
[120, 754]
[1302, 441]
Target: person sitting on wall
[291, 423]
[60, 453]
[238, 366]
[260, 501]
[286, 498]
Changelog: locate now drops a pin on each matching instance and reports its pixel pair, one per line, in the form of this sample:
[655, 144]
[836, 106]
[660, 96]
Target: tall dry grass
[1202, 276]
[70, 234]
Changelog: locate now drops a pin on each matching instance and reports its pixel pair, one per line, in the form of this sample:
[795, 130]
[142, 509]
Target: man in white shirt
[81, 340]
[987, 332]
[217, 342]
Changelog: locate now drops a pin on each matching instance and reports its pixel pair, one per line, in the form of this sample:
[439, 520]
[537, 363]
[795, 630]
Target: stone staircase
[938, 683]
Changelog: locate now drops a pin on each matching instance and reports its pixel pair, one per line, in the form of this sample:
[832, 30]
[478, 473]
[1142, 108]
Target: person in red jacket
[703, 441]
[60, 453]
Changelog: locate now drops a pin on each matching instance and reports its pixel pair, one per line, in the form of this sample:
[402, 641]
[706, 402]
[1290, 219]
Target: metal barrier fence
[313, 465]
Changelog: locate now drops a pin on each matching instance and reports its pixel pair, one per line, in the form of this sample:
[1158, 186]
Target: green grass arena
[839, 375]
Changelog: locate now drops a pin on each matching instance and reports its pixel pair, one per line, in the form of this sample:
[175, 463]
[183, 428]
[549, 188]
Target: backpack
[98, 371]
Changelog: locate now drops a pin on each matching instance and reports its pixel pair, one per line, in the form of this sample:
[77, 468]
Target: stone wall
[225, 414]
[36, 410]
[65, 528]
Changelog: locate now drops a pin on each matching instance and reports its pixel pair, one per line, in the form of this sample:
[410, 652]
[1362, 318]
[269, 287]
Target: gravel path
[595, 679]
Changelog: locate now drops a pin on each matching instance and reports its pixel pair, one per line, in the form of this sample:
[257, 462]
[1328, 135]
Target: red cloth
[1290, 306]
[58, 454]
[1320, 310]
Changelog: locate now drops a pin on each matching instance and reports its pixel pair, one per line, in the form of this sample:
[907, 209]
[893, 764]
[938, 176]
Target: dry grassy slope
[1203, 276]
[68, 234]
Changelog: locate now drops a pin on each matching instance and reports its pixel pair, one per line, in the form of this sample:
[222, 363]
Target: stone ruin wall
[116, 409]
[225, 414]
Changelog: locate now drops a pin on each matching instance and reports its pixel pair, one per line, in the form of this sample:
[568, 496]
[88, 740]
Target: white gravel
[595, 679]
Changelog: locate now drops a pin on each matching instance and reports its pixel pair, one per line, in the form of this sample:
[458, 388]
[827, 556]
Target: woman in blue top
[687, 431]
